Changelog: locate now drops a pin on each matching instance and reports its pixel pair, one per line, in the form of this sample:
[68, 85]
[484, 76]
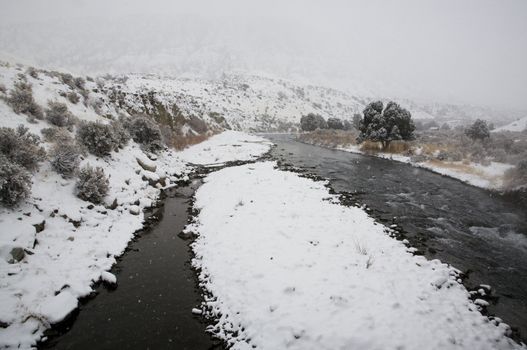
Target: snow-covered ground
[226, 147]
[79, 241]
[517, 126]
[485, 176]
[286, 266]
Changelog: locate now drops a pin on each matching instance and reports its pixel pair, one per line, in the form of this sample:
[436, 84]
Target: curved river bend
[472, 229]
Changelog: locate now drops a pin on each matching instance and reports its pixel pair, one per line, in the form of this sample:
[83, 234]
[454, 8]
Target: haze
[446, 51]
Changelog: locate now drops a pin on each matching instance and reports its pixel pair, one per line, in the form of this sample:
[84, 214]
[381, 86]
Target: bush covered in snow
[121, 135]
[145, 132]
[21, 147]
[65, 159]
[311, 122]
[335, 123]
[58, 114]
[92, 185]
[22, 102]
[56, 135]
[73, 97]
[97, 137]
[15, 182]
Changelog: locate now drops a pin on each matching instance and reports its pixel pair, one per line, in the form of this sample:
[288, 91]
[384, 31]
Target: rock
[134, 210]
[114, 205]
[196, 311]
[40, 226]
[18, 254]
[146, 164]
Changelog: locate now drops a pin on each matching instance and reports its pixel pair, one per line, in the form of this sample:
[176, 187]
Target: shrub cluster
[20, 152]
[97, 137]
[21, 147]
[15, 182]
[22, 102]
[145, 131]
[58, 114]
[92, 185]
[65, 159]
[56, 135]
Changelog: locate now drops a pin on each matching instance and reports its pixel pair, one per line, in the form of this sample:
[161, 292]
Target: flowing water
[474, 230]
[152, 306]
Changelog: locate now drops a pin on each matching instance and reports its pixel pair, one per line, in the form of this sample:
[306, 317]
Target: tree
[356, 121]
[478, 131]
[335, 123]
[311, 122]
[384, 126]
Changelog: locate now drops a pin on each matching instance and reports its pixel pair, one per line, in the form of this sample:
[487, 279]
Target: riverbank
[64, 245]
[491, 176]
[320, 275]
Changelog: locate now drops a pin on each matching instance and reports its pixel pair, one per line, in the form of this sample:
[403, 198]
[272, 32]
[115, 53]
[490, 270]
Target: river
[476, 231]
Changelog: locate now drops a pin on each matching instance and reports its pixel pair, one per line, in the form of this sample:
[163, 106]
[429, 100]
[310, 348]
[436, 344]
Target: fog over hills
[450, 52]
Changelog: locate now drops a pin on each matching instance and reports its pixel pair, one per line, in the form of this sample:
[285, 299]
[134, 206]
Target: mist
[470, 52]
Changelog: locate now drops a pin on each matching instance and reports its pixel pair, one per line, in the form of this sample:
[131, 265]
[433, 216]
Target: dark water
[157, 289]
[472, 229]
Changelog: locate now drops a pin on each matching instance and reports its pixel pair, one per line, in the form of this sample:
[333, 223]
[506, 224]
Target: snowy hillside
[517, 125]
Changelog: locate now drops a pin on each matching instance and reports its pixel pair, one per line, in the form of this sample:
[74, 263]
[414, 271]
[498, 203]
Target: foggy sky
[447, 50]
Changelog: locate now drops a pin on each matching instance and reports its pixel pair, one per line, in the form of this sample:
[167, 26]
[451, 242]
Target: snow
[55, 309]
[517, 126]
[483, 176]
[226, 147]
[286, 266]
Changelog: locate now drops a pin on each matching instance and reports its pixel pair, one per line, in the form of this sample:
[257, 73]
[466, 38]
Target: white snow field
[226, 147]
[516, 126]
[78, 244]
[287, 267]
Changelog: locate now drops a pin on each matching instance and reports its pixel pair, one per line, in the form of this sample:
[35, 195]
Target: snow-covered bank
[287, 267]
[484, 176]
[75, 243]
[226, 147]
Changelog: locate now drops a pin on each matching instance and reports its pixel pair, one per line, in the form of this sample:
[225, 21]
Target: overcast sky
[446, 50]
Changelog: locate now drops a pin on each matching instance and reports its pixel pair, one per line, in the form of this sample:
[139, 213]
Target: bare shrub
[145, 132]
[97, 137]
[21, 147]
[32, 72]
[22, 102]
[198, 125]
[92, 184]
[65, 159]
[56, 135]
[58, 114]
[181, 142]
[121, 135]
[79, 83]
[73, 97]
[67, 79]
[15, 182]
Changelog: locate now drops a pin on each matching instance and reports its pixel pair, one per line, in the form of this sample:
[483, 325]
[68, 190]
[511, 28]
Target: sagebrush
[15, 182]
[92, 184]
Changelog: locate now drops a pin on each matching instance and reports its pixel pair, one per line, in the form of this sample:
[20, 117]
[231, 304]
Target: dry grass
[459, 167]
[180, 142]
[396, 147]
